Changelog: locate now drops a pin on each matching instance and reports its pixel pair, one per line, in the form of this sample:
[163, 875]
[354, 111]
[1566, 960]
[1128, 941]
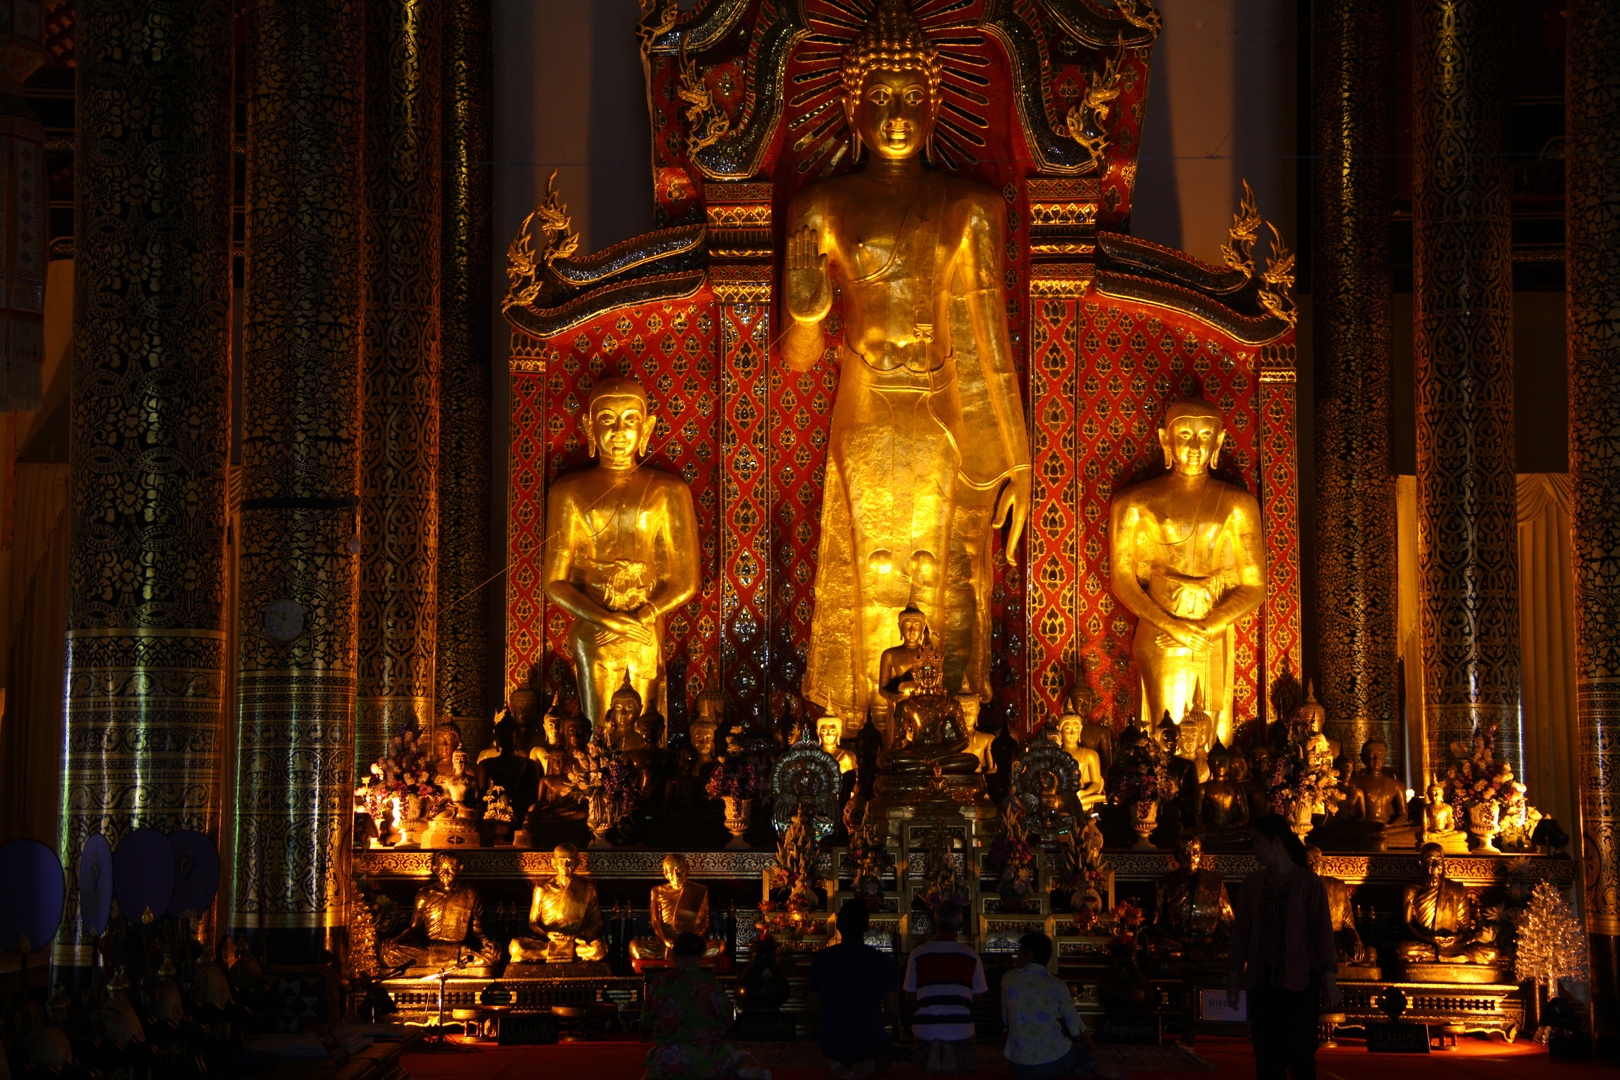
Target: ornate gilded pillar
[1592, 183]
[399, 456]
[1467, 498]
[464, 396]
[298, 571]
[1353, 181]
[151, 425]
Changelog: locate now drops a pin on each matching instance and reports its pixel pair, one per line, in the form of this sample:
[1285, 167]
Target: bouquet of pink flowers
[601, 776]
[1478, 777]
[403, 779]
[1303, 773]
[736, 776]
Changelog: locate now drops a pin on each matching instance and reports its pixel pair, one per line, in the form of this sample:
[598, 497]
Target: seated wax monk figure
[1192, 913]
[680, 906]
[565, 916]
[1341, 914]
[447, 925]
[929, 729]
[685, 1013]
[853, 995]
[944, 978]
[1046, 1038]
[1446, 925]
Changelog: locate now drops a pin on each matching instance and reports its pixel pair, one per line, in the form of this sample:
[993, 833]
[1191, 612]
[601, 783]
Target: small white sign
[1212, 1007]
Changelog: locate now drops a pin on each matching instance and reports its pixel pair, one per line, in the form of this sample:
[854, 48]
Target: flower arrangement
[1079, 864]
[600, 775]
[1477, 778]
[943, 883]
[1127, 920]
[1303, 774]
[869, 853]
[1009, 858]
[1143, 776]
[795, 870]
[736, 776]
[401, 784]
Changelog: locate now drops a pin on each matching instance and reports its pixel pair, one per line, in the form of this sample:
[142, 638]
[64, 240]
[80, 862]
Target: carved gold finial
[523, 263]
[1239, 253]
[1277, 294]
[1085, 121]
[705, 123]
[1143, 14]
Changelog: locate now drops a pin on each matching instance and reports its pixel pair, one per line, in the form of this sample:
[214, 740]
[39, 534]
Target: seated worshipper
[853, 993]
[943, 976]
[686, 1014]
[1046, 1038]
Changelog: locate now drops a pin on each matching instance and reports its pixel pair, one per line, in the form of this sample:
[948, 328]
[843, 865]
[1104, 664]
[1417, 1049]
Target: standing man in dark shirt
[853, 993]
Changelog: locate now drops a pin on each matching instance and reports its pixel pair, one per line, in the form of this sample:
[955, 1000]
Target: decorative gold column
[1592, 183]
[1352, 181]
[151, 425]
[399, 457]
[464, 395]
[300, 456]
[1463, 284]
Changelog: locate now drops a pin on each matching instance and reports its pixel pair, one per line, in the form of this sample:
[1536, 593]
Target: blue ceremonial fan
[196, 872]
[31, 902]
[143, 874]
[95, 883]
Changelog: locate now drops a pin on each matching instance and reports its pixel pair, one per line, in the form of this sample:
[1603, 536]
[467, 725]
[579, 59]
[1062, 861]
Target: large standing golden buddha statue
[929, 450]
[1188, 562]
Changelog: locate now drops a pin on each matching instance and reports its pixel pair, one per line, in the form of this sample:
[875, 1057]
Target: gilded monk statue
[565, 916]
[928, 451]
[1188, 562]
[621, 551]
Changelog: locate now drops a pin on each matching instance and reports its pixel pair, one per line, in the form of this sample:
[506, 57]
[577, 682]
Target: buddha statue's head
[1374, 752]
[1069, 727]
[624, 708]
[1312, 712]
[1169, 733]
[446, 738]
[1261, 764]
[1432, 860]
[829, 730]
[1436, 792]
[525, 707]
[458, 761]
[970, 705]
[446, 868]
[1081, 700]
[913, 626]
[1313, 858]
[618, 422]
[891, 79]
[576, 733]
[1192, 436]
[1189, 852]
[1220, 763]
[564, 861]
[676, 870]
[549, 725]
[701, 736]
[711, 707]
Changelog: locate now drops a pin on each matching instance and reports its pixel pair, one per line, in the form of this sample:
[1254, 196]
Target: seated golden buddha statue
[1341, 917]
[446, 741]
[929, 727]
[1221, 809]
[1082, 702]
[1445, 923]
[447, 926]
[1439, 824]
[622, 550]
[979, 739]
[679, 907]
[1187, 560]
[895, 666]
[829, 733]
[1090, 791]
[457, 823]
[565, 916]
[693, 764]
[1376, 802]
[1192, 915]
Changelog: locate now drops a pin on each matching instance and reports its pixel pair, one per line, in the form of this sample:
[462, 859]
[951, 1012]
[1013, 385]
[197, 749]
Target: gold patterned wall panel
[300, 457]
[1352, 187]
[151, 423]
[1463, 293]
[399, 455]
[461, 668]
[1592, 163]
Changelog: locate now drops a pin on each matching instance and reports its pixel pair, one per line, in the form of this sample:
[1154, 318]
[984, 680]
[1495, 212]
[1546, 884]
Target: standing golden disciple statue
[1188, 562]
[928, 451]
[621, 551]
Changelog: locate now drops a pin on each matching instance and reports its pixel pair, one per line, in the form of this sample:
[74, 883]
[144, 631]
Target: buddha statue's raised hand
[809, 285]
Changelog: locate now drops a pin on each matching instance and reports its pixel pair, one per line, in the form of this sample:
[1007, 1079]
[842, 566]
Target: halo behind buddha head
[892, 40]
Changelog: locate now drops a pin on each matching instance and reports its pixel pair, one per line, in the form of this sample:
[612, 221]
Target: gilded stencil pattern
[151, 417]
[399, 512]
[1593, 97]
[746, 482]
[1353, 184]
[1279, 631]
[1467, 497]
[301, 337]
[464, 385]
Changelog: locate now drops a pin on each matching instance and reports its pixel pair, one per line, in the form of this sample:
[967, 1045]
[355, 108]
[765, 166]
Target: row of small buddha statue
[446, 930]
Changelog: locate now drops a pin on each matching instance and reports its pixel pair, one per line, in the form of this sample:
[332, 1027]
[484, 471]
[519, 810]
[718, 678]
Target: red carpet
[621, 1060]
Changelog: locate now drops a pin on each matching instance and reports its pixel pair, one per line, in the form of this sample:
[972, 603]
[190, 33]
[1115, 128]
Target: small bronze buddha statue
[457, 823]
[1222, 807]
[447, 926]
[979, 739]
[1192, 915]
[1090, 791]
[929, 727]
[1439, 824]
[693, 764]
[565, 915]
[446, 741]
[1320, 747]
[896, 664]
[1443, 921]
[1099, 738]
[1256, 788]
[681, 906]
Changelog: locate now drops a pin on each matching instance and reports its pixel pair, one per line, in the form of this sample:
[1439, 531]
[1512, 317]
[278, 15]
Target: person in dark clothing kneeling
[853, 993]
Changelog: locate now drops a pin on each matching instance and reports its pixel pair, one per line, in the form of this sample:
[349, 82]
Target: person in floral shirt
[687, 1014]
[1045, 1036]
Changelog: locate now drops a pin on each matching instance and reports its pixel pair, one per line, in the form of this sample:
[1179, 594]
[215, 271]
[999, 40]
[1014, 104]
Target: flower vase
[411, 831]
[1299, 817]
[1484, 822]
[597, 820]
[1144, 819]
[739, 814]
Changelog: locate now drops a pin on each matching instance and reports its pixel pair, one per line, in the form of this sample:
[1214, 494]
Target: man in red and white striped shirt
[944, 977]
